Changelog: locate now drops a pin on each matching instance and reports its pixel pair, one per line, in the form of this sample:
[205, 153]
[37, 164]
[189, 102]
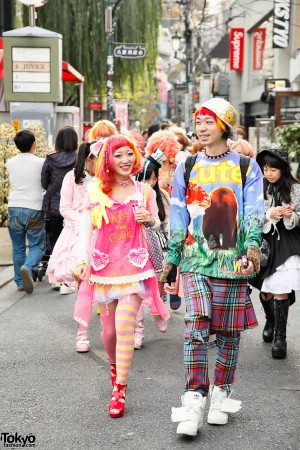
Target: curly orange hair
[166, 140]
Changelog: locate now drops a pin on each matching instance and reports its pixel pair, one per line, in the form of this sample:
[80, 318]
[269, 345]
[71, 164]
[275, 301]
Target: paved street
[60, 397]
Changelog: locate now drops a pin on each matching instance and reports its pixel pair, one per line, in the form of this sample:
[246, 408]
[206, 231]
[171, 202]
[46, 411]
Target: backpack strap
[189, 164]
[244, 164]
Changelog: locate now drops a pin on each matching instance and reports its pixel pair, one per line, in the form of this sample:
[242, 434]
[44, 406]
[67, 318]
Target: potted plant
[288, 137]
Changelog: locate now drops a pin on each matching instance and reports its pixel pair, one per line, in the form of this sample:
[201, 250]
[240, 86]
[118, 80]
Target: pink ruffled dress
[119, 261]
[64, 257]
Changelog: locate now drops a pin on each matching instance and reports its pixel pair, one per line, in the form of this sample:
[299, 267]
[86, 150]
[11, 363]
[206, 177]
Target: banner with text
[236, 53]
[281, 23]
[121, 113]
[259, 40]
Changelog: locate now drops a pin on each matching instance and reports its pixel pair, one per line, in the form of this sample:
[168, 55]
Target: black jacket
[54, 170]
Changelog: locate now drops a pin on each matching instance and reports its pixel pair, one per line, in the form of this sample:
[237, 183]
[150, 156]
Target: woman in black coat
[54, 170]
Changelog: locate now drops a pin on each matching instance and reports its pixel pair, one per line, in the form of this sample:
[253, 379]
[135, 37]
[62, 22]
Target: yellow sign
[16, 125]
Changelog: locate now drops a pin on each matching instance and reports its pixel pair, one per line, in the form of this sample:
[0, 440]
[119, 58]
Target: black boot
[268, 331]
[281, 315]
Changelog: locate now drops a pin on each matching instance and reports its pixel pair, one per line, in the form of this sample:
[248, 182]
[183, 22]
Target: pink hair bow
[96, 147]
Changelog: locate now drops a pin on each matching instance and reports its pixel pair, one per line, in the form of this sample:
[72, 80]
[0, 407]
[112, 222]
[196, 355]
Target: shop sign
[31, 69]
[94, 106]
[281, 23]
[236, 53]
[259, 40]
[276, 83]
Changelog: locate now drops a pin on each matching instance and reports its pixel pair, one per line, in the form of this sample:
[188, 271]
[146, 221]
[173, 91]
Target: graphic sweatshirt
[215, 219]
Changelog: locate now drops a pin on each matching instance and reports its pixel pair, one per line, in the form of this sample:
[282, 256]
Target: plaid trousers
[200, 313]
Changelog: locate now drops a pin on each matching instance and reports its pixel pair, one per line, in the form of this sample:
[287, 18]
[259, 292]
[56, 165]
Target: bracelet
[82, 263]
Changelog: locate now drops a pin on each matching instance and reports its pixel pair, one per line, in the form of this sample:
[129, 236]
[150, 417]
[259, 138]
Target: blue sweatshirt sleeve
[253, 206]
[179, 216]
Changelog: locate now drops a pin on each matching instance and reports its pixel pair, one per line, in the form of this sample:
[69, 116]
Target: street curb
[6, 275]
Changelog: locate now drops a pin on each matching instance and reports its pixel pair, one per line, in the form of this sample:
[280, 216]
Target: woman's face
[90, 164]
[124, 161]
[272, 174]
[152, 180]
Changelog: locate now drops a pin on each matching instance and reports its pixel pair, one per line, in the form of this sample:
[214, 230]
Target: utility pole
[188, 35]
[109, 29]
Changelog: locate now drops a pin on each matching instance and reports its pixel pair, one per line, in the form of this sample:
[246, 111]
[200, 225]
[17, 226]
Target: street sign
[180, 86]
[129, 51]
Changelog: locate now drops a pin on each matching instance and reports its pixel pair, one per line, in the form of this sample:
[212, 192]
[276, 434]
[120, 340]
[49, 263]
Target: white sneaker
[64, 289]
[55, 286]
[190, 415]
[220, 406]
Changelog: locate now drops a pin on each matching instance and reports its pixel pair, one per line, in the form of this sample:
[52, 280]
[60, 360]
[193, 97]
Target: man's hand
[249, 270]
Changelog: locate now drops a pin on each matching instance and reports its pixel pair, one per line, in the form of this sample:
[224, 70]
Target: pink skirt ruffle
[88, 294]
[62, 262]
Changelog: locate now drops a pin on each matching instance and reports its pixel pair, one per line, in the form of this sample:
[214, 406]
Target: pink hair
[139, 139]
[105, 164]
[166, 140]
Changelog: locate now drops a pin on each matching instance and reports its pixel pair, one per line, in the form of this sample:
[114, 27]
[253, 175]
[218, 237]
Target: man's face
[207, 130]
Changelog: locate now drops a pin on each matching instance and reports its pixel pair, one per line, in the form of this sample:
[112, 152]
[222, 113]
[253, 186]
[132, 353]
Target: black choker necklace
[215, 157]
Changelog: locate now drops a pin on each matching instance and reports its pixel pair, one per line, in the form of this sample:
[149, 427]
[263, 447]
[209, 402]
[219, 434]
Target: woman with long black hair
[281, 276]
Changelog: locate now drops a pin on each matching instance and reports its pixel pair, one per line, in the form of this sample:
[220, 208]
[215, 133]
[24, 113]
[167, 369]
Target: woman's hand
[277, 212]
[287, 211]
[80, 272]
[170, 287]
[141, 215]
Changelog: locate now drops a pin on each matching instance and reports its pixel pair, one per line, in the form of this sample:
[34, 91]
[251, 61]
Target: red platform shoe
[117, 403]
[113, 374]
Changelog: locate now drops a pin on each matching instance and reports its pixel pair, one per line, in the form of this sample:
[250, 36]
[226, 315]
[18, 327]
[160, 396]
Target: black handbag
[265, 253]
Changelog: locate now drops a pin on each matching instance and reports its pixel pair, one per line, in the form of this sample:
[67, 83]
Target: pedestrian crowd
[156, 220]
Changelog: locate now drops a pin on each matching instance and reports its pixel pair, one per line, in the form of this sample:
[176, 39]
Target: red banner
[236, 53]
[259, 40]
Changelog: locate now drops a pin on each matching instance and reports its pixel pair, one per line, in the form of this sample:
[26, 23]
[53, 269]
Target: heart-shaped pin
[99, 260]
[138, 257]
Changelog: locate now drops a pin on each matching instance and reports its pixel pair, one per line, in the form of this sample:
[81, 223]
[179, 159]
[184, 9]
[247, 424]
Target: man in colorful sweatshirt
[215, 235]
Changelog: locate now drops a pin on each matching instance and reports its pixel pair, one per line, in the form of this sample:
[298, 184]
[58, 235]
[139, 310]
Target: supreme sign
[259, 39]
[236, 53]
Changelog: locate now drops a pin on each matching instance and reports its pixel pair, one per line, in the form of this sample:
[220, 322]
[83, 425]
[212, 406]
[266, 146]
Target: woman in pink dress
[63, 259]
[118, 267]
